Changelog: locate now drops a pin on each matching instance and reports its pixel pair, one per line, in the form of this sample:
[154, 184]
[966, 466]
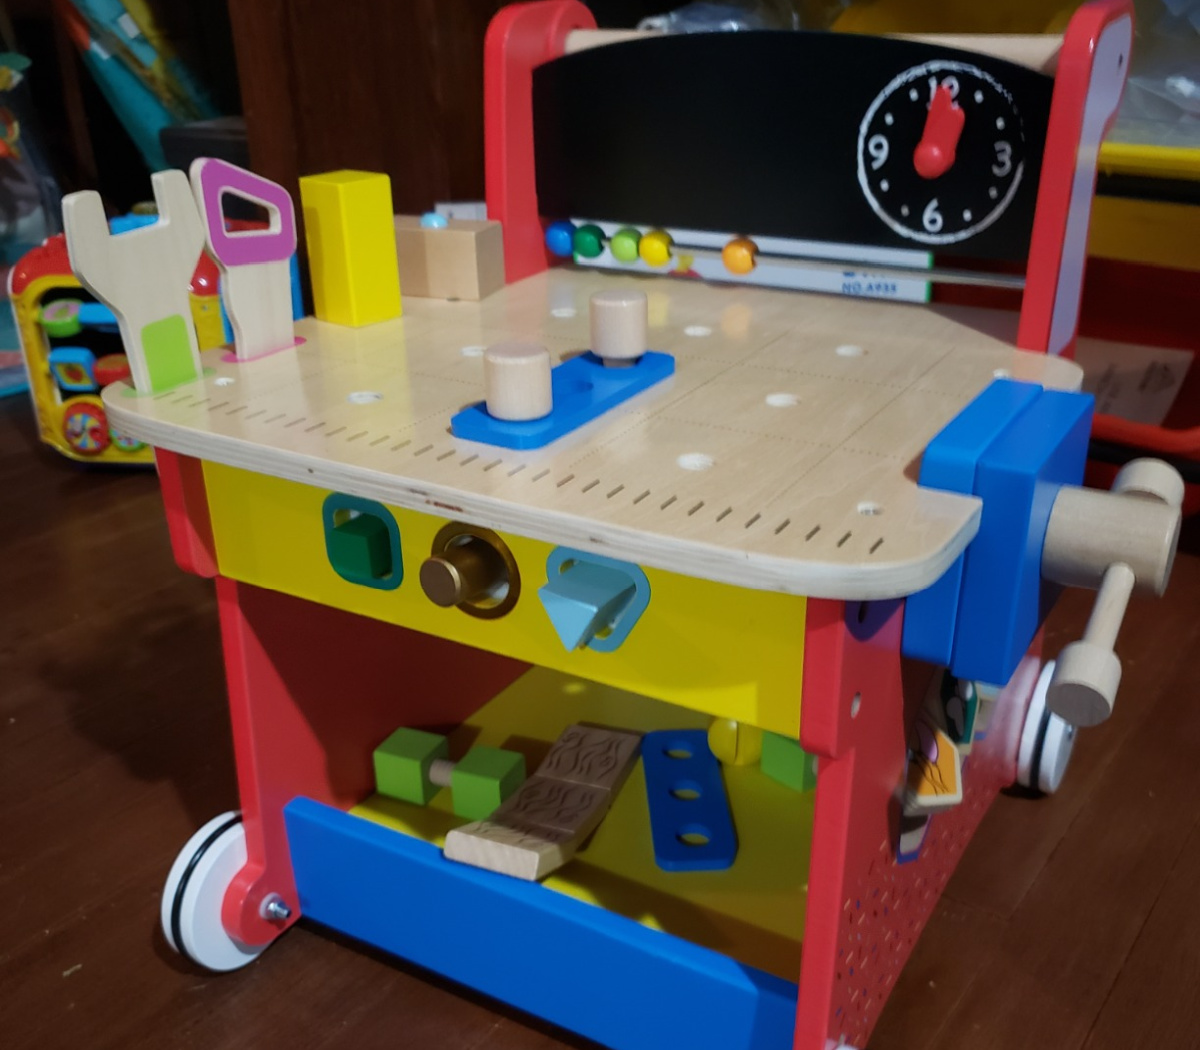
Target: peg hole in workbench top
[614, 492]
[842, 541]
[782, 525]
[850, 350]
[782, 400]
[812, 532]
[695, 461]
[724, 514]
[666, 503]
[876, 545]
[590, 485]
[695, 508]
[638, 499]
[752, 521]
[364, 397]
[380, 440]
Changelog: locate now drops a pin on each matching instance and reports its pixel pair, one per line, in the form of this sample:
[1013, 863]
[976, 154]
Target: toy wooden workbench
[747, 569]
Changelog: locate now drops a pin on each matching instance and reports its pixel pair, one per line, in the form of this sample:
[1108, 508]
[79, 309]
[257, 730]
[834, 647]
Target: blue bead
[431, 220]
[560, 238]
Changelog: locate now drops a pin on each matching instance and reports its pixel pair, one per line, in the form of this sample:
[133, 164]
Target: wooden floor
[1072, 923]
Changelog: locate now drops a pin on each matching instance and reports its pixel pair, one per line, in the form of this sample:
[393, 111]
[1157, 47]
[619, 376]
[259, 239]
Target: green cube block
[360, 548]
[402, 764]
[483, 779]
[783, 759]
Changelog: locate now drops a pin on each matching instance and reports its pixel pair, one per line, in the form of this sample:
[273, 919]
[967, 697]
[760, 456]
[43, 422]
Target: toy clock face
[941, 152]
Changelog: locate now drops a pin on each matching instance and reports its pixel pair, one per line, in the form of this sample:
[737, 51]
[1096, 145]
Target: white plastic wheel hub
[1046, 741]
[195, 890]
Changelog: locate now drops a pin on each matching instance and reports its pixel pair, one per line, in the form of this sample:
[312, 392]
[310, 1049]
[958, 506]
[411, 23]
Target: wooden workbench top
[782, 455]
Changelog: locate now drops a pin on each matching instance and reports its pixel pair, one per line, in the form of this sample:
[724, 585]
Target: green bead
[484, 778]
[589, 241]
[624, 244]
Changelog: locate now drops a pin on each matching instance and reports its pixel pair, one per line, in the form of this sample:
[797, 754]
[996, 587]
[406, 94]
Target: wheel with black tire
[195, 890]
[1047, 741]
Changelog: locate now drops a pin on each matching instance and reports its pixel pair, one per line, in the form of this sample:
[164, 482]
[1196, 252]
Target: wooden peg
[517, 380]
[619, 320]
[143, 277]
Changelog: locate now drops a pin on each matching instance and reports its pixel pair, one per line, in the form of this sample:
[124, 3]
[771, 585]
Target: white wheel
[1046, 741]
[195, 890]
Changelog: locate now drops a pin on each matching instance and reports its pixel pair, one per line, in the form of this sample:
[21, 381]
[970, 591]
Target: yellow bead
[734, 743]
[655, 248]
[739, 255]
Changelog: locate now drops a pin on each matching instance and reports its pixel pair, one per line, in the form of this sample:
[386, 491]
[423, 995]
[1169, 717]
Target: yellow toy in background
[72, 351]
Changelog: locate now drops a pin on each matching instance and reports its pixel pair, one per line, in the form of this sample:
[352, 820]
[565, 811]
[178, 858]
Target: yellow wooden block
[723, 650]
[351, 247]
[463, 260]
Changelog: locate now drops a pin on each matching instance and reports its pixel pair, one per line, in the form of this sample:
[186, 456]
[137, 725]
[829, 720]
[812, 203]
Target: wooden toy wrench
[143, 276]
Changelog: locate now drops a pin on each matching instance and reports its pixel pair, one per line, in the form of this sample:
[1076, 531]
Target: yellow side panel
[1147, 232]
[710, 647]
[753, 912]
[351, 240]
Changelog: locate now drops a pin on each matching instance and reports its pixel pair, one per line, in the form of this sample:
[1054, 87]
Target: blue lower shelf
[576, 965]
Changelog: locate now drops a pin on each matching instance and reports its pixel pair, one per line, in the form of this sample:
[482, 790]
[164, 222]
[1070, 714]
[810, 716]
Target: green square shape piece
[783, 759]
[361, 547]
[402, 764]
[362, 541]
[483, 779]
[168, 353]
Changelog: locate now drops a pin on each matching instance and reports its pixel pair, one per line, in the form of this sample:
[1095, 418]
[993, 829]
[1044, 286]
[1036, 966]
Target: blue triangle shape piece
[585, 599]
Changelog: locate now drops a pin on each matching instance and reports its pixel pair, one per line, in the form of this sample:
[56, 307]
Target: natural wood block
[465, 260]
[592, 755]
[539, 828]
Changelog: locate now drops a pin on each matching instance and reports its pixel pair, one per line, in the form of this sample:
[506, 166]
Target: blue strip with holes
[690, 823]
[583, 389]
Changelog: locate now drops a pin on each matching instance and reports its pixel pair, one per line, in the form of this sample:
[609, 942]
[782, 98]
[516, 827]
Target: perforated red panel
[866, 910]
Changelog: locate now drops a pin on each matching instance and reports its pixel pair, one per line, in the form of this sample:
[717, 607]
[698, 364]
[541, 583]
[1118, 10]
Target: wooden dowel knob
[619, 320]
[516, 379]
[1088, 673]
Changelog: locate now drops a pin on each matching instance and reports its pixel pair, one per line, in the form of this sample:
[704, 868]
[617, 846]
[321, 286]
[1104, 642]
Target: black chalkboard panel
[791, 134]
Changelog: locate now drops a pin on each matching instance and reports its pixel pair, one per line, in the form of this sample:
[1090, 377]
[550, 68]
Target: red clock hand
[934, 154]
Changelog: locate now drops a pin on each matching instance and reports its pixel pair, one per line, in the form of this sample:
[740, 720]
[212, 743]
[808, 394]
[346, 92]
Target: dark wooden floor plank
[1152, 1004]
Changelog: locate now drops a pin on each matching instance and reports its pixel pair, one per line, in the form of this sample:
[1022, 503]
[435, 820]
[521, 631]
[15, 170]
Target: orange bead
[739, 255]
